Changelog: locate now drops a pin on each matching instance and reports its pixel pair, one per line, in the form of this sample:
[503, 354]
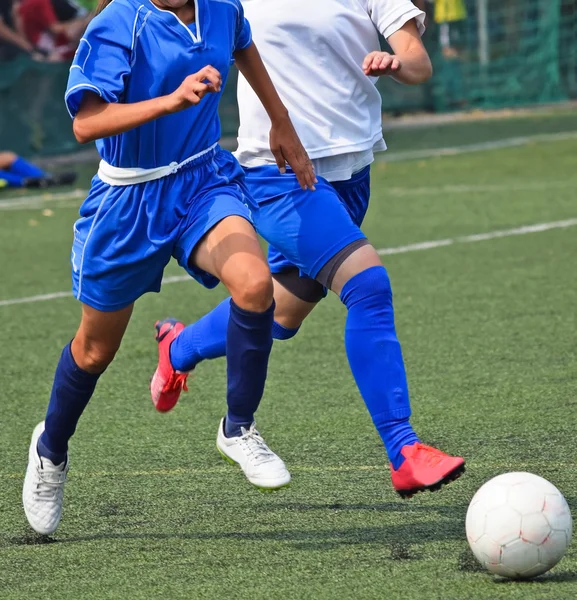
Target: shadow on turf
[468, 563]
[388, 507]
[400, 539]
[566, 577]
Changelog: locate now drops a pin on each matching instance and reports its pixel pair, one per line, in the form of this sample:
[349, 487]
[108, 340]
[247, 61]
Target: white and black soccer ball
[518, 525]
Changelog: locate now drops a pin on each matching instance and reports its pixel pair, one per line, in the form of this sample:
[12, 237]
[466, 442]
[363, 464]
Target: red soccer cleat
[425, 468]
[167, 383]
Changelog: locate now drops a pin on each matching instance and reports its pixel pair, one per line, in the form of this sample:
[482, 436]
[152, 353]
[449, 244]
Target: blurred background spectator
[450, 17]
[12, 41]
[53, 27]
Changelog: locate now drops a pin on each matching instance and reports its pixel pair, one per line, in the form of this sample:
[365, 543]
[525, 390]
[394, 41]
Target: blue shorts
[306, 229]
[126, 235]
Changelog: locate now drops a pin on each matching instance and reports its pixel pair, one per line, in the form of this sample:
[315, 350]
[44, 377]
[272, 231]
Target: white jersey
[314, 50]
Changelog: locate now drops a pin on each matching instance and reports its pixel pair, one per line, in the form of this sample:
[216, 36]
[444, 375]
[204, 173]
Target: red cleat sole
[434, 487]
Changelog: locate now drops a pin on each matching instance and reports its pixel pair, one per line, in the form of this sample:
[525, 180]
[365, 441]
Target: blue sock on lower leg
[376, 360]
[206, 338]
[280, 332]
[71, 391]
[249, 342]
[26, 169]
[202, 340]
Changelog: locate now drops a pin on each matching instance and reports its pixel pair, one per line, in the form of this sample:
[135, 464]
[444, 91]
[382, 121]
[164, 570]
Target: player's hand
[193, 89]
[287, 148]
[378, 64]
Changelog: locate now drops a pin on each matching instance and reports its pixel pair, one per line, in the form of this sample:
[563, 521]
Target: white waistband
[131, 176]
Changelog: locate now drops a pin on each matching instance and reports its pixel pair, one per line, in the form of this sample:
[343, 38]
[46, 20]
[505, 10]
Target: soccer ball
[518, 525]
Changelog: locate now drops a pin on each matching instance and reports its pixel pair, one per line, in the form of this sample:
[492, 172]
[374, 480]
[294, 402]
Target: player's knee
[255, 293]
[371, 286]
[94, 357]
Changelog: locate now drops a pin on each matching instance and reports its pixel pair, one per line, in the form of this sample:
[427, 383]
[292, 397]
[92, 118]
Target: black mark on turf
[468, 563]
[31, 540]
[400, 551]
[109, 510]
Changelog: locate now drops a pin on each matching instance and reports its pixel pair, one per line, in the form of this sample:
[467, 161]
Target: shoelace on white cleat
[49, 484]
[256, 446]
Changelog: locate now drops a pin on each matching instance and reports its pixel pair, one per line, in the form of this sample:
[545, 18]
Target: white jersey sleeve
[390, 15]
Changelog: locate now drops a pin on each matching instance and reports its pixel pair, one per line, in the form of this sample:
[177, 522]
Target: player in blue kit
[328, 85]
[145, 84]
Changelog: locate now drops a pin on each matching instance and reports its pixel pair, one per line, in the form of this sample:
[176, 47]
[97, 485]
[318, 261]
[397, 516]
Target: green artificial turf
[489, 332]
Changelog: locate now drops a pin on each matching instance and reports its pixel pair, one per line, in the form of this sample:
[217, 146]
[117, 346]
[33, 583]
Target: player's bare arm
[97, 119]
[410, 64]
[284, 141]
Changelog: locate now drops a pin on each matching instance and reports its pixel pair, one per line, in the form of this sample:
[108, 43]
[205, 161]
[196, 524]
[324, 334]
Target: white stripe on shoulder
[143, 24]
[134, 26]
[138, 33]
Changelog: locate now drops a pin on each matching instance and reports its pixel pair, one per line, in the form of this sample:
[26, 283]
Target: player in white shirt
[324, 59]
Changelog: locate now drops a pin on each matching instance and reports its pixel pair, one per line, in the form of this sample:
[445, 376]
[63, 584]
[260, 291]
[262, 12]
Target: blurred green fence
[505, 53]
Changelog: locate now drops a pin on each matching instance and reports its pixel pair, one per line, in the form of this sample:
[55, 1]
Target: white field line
[488, 188]
[478, 237]
[56, 205]
[480, 147]
[39, 200]
[35, 200]
[295, 468]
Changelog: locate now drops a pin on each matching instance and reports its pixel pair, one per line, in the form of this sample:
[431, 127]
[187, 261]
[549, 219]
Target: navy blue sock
[71, 391]
[206, 338]
[26, 169]
[233, 428]
[10, 179]
[248, 344]
[376, 360]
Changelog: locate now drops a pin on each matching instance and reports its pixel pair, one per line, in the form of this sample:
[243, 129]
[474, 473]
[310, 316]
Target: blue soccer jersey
[134, 51]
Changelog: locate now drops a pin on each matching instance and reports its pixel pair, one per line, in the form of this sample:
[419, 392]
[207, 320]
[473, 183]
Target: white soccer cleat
[43, 491]
[262, 467]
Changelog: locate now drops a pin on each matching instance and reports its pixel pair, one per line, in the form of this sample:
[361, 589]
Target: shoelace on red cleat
[430, 456]
[176, 383]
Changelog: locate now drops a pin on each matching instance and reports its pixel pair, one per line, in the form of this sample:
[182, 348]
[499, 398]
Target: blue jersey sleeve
[102, 61]
[243, 33]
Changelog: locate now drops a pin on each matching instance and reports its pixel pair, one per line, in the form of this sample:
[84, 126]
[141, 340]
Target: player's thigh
[217, 241]
[307, 228]
[231, 252]
[99, 336]
[229, 244]
[358, 261]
